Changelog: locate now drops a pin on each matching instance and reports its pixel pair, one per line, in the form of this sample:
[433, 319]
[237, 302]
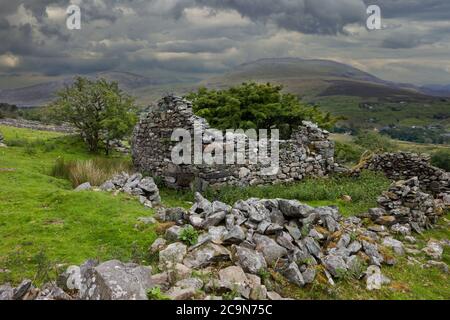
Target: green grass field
[46, 226]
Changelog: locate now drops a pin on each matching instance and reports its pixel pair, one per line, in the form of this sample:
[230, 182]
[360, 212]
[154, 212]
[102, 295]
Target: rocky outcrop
[308, 153]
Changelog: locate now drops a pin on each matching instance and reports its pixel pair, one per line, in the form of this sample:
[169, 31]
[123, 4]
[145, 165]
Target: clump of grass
[95, 171]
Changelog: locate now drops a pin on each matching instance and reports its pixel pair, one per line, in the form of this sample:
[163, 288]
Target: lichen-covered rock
[173, 254]
[250, 260]
[206, 255]
[114, 280]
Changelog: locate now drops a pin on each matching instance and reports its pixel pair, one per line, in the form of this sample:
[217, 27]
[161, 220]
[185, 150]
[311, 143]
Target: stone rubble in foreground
[240, 247]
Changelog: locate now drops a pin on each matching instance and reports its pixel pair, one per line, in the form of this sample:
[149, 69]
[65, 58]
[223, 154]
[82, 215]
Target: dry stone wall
[405, 165]
[308, 153]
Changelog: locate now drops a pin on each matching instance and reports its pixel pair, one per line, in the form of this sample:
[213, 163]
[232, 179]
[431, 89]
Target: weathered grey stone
[22, 289]
[70, 280]
[272, 295]
[83, 187]
[292, 273]
[195, 283]
[175, 214]
[205, 255]
[178, 272]
[214, 219]
[176, 293]
[335, 265]
[312, 246]
[107, 186]
[294, 230]
[173, 254]
[173, 233]
[375, 279]
[6, 292]
[235, 236]
[294, 209]
[114, 280]
[354, 247]
[147, 220]
[309, 275]
[434, 250]
[147, 184]
[258, 292]
[286, 241]
[371, 249]
[269, 248]
[251, 261]
[394, 244]
[51, 291]
[158, 245]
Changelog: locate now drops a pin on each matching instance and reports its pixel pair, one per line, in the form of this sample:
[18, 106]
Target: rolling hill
[363, 99]
[41, 94]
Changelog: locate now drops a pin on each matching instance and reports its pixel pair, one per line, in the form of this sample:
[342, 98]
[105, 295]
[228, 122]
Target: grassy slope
[40, 214]
[43, 222]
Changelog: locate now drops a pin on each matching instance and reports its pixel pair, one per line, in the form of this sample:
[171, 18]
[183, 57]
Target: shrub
[441, 159]
[156, 294]
[256, 106]
[95, 171]
[189, 235]
[373, 141]
[348, 153]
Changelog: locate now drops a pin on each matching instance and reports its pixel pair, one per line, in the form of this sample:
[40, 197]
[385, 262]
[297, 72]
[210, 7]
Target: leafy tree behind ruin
[256, 106]
[99, 109]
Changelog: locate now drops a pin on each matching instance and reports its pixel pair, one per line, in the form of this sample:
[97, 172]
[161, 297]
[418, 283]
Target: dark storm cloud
[417, 9]
[307, 16]
[207, 36]
[197, 46]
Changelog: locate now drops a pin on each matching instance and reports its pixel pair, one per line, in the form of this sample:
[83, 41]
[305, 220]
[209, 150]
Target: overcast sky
[201, 37]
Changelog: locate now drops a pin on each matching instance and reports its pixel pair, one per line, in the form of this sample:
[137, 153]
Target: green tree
[256, 106]
[99, 109]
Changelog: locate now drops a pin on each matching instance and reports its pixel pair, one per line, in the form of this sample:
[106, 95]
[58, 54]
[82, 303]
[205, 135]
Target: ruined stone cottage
[309, 152]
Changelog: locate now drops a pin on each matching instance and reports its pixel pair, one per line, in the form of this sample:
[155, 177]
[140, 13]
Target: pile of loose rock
[300, 242]
[238, 251]
[143, 187]
[404, 207]
[26, 291]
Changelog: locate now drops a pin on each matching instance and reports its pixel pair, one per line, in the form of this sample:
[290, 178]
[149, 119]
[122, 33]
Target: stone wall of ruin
[405, 165]
[308, 153]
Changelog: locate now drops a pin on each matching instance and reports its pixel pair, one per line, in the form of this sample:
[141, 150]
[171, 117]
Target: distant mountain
[310, 78]
[437, 90]
[306, 78]
[41, 94]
